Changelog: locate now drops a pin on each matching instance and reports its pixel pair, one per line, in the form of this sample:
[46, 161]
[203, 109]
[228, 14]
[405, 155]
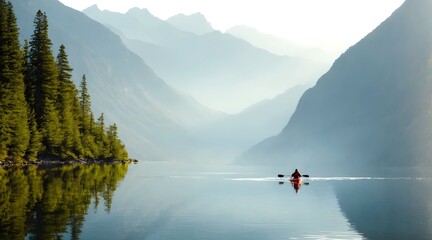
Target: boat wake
[276, 179]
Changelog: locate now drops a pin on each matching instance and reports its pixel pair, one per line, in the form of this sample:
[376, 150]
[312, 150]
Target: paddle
[281, 175]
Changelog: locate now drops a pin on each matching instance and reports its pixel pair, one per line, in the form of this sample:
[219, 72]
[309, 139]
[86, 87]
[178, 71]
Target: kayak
[297, 181]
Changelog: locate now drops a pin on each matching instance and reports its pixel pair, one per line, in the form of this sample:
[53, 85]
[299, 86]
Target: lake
[175, 201]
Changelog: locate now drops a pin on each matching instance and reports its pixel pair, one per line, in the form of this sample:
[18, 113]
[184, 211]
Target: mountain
[280, 46]
[140, 24]
[195, 23]
[219, 70]
[235, 133]
[373, 108]
[150, 114]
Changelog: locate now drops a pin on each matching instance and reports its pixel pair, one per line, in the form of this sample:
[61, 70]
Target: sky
[333, 25]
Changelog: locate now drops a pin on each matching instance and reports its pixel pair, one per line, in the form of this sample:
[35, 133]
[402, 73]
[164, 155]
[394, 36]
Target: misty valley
[124, 125]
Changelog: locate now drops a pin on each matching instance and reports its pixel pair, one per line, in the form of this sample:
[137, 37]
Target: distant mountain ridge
[221, 71]
[371, 109]
[195, 23]
[280, 46]
[139, 24]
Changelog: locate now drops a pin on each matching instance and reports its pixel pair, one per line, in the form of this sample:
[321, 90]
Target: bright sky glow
[331, 24]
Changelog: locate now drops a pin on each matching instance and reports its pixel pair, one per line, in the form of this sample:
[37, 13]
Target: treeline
[42, 114]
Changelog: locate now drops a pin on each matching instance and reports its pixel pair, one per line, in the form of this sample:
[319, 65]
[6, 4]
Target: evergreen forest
[42, 113]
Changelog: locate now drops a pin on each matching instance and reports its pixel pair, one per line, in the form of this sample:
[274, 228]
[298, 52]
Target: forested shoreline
[43, 116]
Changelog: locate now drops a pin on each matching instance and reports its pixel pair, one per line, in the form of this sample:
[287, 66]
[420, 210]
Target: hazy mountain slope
[280, 46]
[372, 108]
[221, 71]
[149, 113]
[235, 133]
[195, 23]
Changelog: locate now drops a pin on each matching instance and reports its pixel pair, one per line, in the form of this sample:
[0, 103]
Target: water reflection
[388, 209]
[295, 185]
[172, 201]
[49, 203]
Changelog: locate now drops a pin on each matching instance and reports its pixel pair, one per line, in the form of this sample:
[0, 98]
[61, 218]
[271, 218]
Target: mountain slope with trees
[42, 115]
[151, 115]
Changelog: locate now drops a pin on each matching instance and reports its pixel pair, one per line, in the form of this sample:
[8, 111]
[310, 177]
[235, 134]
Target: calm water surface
[172, 201]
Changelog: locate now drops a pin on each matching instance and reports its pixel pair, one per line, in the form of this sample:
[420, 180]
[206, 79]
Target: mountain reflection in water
[388, 209]
[50, 202]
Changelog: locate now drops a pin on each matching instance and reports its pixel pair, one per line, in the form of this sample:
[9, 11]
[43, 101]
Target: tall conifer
[71, 142]
[85, 105]
[87, 122]
[14, 129]
[35, 143]
[45, 82]
[115, 146]
[101, 137]
[4, 54]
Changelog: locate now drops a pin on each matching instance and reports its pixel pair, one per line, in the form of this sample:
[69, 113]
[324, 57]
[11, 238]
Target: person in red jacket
[296, 174]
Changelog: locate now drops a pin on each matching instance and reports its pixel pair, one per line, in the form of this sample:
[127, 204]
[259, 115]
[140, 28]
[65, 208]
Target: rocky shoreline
[42, 162]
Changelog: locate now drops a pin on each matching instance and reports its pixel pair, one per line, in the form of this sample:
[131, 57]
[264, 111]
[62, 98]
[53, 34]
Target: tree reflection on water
[46, 203]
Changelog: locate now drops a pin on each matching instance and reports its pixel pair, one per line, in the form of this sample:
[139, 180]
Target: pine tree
[71, 142]
[87, 122]
[101, 138]
[28, 78]
[76, 109]
[44, 85]
[4, 55]
[35, 143]
[19, 127]
[85, 105]
[98, 143]
[93, 146]
[14, 132]
[115, 146]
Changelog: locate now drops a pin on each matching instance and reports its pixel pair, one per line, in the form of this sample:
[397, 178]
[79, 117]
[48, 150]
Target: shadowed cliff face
[373, 107]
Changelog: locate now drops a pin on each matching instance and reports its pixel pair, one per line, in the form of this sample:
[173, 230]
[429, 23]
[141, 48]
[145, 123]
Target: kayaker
[296, 174]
